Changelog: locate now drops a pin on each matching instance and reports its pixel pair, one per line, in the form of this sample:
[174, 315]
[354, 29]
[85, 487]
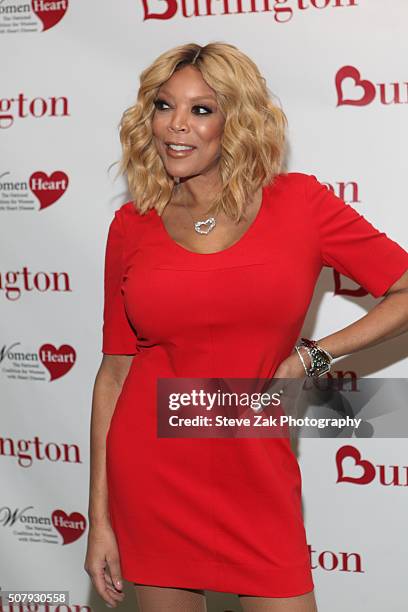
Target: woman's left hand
[292, 369]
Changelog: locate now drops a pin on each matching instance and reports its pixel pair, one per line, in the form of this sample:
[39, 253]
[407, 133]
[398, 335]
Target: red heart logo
[48, 189]
[50, 13]
[70, 527]
[368, 468]
[339, 290]
[349, 72]
[57, 361]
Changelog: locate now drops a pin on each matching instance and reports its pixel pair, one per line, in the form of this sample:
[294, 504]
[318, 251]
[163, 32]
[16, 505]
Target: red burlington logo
[57, 361]
[392, 475]
[50, 13]
[22, 107]
[15, 283]
[48, 189]
[279, 9]
[27, 451]
[335, 561]
[366, 91]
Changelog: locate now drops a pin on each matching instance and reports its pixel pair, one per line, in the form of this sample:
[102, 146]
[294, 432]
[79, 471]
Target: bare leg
[301, 603]
[169, 599]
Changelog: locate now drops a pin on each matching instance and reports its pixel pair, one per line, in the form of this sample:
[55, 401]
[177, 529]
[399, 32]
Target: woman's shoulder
[129, 213]
[127, 219]
[291, 187]
[128, 210]
[292, 179]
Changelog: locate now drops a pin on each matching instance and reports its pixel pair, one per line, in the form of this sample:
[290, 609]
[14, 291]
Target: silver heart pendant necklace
[201, 227]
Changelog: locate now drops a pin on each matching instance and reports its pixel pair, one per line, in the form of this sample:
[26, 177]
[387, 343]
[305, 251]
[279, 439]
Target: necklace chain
[201, 227]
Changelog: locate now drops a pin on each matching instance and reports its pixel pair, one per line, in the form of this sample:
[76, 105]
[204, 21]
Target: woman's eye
[206, 109]
[197, 109]
[158, 104]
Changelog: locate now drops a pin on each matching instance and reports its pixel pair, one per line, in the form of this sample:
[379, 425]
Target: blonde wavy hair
[253, 140]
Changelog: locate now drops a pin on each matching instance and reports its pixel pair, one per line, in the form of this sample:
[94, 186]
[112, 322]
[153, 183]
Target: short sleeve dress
[220, 514]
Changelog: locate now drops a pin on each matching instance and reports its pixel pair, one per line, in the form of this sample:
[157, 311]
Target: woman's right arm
[102, 561]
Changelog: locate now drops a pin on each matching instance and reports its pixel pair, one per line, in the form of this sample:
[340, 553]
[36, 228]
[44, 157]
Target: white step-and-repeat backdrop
[69, 69]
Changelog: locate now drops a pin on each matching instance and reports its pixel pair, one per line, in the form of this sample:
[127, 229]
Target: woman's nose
[178, 121]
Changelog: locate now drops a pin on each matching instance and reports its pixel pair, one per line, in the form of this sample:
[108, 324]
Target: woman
[209, 272]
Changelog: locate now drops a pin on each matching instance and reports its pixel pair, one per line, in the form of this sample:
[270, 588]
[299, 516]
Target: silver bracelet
[301, 359]
[320, 358]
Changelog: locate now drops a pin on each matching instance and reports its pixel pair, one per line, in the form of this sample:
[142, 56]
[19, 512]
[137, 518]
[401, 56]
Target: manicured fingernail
[119, 584]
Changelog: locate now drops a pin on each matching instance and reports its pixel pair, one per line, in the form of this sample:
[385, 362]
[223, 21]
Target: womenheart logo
[71, 526]
[48, 189]
[49, 13]
[57, 361]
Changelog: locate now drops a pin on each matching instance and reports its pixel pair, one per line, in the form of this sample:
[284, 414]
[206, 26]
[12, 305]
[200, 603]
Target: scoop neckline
[234, 245]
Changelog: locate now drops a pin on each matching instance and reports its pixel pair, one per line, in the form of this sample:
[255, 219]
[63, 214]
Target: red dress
[220, 514]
